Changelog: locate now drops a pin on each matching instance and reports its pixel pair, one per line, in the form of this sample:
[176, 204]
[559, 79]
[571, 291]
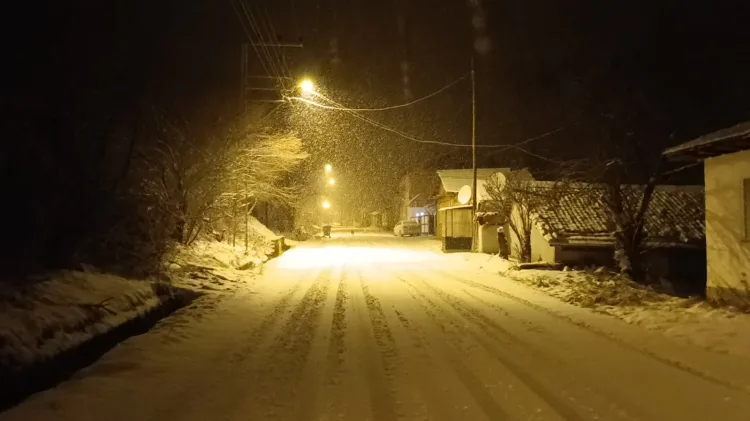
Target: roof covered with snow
[453, 180]
[675, 217]
[729, 140]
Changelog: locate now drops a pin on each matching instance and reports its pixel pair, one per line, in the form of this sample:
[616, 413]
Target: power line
[281, 56]
[247, 32]
[263, 44]
[272, 51]
[260, 34]
[393, 107]
[435, 142]
[544, 158]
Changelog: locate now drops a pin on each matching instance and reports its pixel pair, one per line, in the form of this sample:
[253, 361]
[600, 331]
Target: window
[746, 206]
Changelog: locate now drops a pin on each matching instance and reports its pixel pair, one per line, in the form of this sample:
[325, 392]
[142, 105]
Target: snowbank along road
[380, 328]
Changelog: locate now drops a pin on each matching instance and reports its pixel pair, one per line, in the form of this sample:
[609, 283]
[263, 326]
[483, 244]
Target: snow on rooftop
[453, 180]
[737, 132]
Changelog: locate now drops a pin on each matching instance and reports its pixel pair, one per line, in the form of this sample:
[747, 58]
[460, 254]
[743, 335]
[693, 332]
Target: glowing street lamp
[329, 168]
[307, 86]
[326, 205]
[332, 181]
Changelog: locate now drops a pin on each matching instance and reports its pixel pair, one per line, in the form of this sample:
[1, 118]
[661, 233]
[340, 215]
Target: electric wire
[392, 107]
[279, 53]
[263, 44]
[247, 32]
[435, 142]
[261, 40]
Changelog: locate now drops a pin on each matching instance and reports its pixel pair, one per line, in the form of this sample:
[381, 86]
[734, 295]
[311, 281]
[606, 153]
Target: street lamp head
[329, 168]
[307, 86]
[332, 181]
[326, 205]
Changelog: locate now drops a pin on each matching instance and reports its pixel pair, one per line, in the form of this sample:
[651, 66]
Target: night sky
[610, 74]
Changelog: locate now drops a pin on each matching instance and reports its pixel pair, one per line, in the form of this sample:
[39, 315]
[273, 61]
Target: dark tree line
[122, 136]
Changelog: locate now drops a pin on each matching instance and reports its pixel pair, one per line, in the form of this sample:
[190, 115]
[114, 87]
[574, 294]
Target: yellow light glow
[329, 168]
[307, 86]
[326, 205]
[331, 181]
[354, 256]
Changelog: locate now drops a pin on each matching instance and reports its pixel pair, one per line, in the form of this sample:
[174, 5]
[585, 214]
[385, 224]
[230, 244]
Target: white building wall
[488, 239]
[541, 250]
[727, 245]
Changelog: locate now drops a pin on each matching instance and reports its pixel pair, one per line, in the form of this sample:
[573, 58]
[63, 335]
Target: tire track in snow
[347, 395]
[583, 325]
[479, 319]
[260, 333]
[190, 400]
[375, 338]
[489, 326]
[442, 397]
[556, 403]
[277, 379]
[528, 324]
[471, 383]
[337, 346]
[326, 353]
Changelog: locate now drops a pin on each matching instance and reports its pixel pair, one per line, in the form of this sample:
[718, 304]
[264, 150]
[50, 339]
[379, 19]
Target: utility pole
[473, 157]
[243, 78]
[248, 82]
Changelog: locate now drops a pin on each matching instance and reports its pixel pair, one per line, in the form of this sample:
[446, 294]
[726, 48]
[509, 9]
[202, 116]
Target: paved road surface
[383, 328]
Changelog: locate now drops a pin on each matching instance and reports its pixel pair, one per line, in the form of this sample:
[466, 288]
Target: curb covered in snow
[53, 328]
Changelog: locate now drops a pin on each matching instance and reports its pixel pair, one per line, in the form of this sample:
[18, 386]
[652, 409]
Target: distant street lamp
[307, 86]
[326, 205]
[332, 181]
[329, 168]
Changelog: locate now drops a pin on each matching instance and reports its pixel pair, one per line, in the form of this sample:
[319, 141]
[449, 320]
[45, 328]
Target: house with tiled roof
[726, 163]
[573, 229]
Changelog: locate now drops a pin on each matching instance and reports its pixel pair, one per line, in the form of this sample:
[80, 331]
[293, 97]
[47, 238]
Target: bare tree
[520, 200]
[256, 170]
[626, 206]
[183, 170]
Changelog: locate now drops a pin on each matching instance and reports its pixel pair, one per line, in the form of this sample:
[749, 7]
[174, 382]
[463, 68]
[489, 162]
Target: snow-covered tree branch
[190, 176]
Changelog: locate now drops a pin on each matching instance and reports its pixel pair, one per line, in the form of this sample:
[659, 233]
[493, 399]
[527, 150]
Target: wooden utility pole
[474, 200]
[243, 78]
[248, 81]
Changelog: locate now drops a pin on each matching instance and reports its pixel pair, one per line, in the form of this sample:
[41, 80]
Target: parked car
[408, 227]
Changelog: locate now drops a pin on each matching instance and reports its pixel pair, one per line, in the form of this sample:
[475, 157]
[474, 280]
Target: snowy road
[380, 328]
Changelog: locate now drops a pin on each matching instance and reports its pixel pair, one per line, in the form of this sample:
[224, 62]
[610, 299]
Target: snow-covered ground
[219, 266]
[209, 266]
[723, 330]
[381, 328]
[64, 309]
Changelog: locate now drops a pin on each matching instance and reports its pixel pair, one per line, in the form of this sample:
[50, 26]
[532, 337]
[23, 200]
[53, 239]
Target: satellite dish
[464, 194]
